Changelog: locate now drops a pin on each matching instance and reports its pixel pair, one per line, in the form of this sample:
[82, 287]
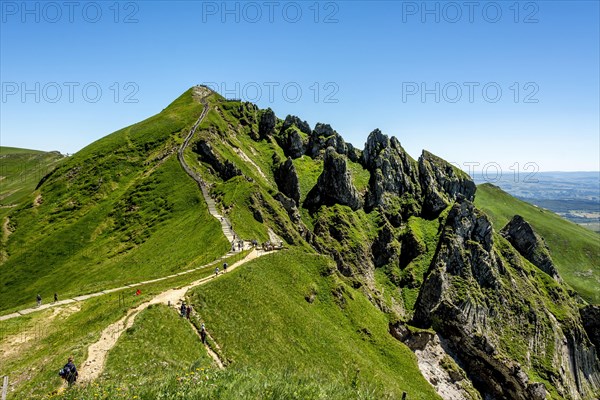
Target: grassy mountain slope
[309, 320]
[293, 324]
[34, 346]
[20, 172]
[119, 211]
[574, 249]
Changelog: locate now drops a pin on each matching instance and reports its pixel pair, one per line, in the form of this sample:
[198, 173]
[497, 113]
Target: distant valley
[572, 195]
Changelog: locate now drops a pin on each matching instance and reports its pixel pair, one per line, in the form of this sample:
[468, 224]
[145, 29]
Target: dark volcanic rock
[476, 295]
[590, 316]
[442, 183]
[386, 249]
[224, 168]
[267, 123]
[286, 178]
[394, 175]
[292, 120]
[290, 207]
[522, 236]
[354, 154]
[334, 185]
[292, 143]
[322, 137]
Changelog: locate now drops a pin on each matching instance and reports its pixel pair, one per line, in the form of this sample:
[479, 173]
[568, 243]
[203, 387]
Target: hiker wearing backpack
[39, 300]
[69, 372]
[225, 267]
[183, 309]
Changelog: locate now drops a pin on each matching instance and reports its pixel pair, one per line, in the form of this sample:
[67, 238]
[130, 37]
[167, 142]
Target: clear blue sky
[370, 61]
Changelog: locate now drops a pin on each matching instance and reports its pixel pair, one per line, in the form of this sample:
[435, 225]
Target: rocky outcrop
[292, 143]
[437, 366]
[290, 207]
[442, 183]
[480, 296]
[293, 136]
[224, 168]
[354, 154]
[590, 317]
[266, 125]
[394, 183]
[386, 248]
[334, 185]
[287, 181]
[464, 251]
[322, 137]
[522, 236]
[292, 120]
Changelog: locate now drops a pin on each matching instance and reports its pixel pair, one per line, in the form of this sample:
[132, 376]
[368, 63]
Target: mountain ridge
[402, 232]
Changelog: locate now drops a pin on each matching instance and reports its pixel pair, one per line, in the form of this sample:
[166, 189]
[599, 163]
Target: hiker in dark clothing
[188, 311]
[203, 334]
[55, 297]
[69, 372]
[39, 300]
[225, 267]
[183, 309]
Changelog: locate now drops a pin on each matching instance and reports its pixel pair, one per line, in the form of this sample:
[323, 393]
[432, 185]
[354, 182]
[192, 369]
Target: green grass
[20, 172]
[53, 335]
[159, 343]
[308, 172]
[261, 318]
[574, 249]
[360, 176]
[232, 385]
[120, 211]
[427, 233]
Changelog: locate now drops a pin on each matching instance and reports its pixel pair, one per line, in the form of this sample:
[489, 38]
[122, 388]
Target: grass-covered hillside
[118, 211]
[574, 249]
[20, 172]
[391, 280]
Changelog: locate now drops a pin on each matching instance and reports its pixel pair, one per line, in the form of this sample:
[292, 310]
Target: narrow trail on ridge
[93, 367]
[97, 352]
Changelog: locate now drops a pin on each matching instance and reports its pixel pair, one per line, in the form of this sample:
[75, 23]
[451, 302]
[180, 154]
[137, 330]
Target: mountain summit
[485, 309]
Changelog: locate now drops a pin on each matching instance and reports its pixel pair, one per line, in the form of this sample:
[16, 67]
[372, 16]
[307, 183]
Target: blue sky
[494, 83]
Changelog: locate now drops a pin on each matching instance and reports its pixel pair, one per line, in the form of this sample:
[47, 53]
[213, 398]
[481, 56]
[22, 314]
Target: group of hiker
[39, 299]
[185, 310]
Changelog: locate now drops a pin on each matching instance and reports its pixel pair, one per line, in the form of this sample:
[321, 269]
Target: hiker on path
[39, 300]
[55, 297]
[225, 267]
[203, 333]
[69, 372]
[188, 311]
[183, 309]
[216, 271]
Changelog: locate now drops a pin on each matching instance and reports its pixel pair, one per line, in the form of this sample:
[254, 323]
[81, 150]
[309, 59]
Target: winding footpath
[212, 208]
[97, 352]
